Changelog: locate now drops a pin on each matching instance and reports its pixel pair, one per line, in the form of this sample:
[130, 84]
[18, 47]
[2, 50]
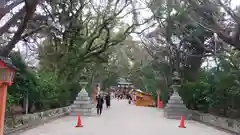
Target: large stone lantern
[175, 107]
[83, 105]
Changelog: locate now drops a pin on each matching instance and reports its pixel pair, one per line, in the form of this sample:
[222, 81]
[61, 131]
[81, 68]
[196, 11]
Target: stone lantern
[175, 107]
[83, 105]
[7, 72]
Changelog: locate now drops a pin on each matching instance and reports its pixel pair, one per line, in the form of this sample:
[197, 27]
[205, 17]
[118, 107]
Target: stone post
[175, 107]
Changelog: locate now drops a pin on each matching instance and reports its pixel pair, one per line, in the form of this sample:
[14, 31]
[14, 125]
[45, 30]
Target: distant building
[124, 83]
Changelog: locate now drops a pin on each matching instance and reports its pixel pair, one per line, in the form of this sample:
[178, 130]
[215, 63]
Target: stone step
[82, 102]
[176, 106]
[83, 98]
[81, 110]
[176, 115]
[175, 102]
[82, 114]
[83, 94]
[84, 106]
[167, 108]
[76, 108]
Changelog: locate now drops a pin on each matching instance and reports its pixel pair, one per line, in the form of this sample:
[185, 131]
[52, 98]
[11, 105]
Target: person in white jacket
[98, 89]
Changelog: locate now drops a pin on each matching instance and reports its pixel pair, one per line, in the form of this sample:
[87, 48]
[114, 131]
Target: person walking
[129, 98]
[108, 100]
[112, 95]
[100, 103]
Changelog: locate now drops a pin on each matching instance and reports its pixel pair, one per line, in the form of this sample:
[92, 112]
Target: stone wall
[216, 121]
[23, 122]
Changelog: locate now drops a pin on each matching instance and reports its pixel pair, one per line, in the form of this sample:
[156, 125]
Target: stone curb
[34, 124]
[218, 127]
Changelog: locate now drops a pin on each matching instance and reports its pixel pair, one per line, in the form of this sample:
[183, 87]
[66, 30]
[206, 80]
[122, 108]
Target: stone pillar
[83, 105]
[175, 107]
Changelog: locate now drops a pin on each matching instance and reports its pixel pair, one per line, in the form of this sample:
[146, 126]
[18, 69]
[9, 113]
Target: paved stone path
[124, 119]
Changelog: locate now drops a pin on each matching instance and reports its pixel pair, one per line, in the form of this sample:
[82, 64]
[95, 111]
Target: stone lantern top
[83, 91]
[176, 81]
[175, 76]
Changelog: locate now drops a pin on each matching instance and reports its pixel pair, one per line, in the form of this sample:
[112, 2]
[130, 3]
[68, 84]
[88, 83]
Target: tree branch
[30, 6]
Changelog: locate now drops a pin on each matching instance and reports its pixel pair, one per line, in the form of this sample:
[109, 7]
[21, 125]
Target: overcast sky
[235, 2]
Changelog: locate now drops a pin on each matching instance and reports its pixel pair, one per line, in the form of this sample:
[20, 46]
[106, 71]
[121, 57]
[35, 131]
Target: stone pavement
[123, 119]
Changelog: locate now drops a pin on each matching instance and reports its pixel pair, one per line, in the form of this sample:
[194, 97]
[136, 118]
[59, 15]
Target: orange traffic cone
[182, 123]
[79, 122]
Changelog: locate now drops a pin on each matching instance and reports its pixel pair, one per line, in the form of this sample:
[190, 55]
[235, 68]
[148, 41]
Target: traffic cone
[79, 122]
[182, 123]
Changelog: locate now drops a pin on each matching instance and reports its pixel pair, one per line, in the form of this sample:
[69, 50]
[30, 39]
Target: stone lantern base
[83, 105]
[175, 108]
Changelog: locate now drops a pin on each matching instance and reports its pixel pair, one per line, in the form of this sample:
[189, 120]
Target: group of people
[100, 101]
[124, 95]
[121, 95]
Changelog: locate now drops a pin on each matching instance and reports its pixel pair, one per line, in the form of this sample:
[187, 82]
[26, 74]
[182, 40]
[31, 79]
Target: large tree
[185, 43]
[59, 18]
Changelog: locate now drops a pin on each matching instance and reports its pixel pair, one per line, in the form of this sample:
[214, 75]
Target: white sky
[235, 3]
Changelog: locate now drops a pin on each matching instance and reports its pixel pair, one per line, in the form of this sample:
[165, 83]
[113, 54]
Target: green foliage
[49, 90]
[216, 91]
[43, 89]
[213, 90]
[196, 94]
[25, 82]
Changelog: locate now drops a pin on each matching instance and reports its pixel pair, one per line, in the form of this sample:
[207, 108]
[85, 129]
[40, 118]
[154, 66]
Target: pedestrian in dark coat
[100, 102]
[129, 98]
[108, 100]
